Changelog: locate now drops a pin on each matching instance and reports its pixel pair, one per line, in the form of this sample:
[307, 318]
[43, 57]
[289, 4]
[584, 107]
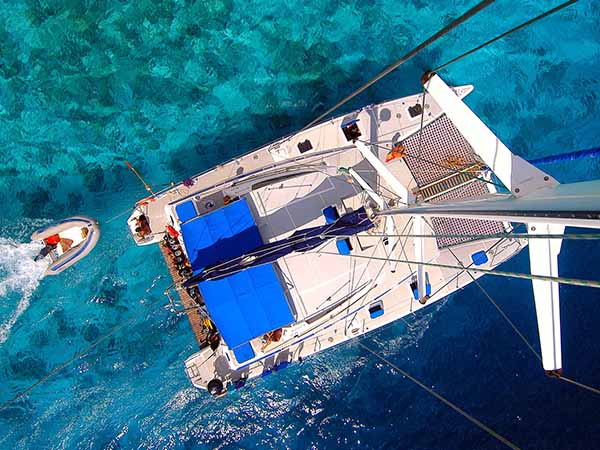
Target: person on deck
[142, 226]
[51, 243]
[66, 244]
[270, 337]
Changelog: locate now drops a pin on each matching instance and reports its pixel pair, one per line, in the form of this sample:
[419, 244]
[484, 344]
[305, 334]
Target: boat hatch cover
[186, 211]
[244, 352]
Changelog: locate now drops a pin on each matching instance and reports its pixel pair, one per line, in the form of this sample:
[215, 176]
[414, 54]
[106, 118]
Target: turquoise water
[176, 87]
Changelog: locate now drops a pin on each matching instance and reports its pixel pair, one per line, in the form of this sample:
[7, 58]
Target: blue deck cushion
[243, 353]
[479, 258]
[343, 246]
[186, 211]
[220, 235]
[247, 304]
[331, 214]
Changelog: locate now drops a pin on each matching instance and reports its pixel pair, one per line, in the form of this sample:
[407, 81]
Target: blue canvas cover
[220, 235]
[244, 352]
[186, 211]
[245, 304]
[300, 241]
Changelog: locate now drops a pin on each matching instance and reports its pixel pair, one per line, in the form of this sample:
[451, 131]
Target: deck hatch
[186, 211]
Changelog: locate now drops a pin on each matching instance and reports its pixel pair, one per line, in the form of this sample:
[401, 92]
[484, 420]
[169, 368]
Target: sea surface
[178, 86]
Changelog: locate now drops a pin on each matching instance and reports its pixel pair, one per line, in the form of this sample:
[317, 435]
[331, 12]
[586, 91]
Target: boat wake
[19, 277]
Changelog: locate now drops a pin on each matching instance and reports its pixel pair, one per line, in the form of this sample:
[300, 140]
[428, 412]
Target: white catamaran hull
[348, 286]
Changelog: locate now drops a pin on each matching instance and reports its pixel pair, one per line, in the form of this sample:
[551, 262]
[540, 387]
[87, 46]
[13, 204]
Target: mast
[573, 204]
[535, 198]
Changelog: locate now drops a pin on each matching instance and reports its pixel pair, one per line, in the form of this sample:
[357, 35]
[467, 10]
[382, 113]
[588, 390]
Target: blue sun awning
[245, 304]
[223, 234]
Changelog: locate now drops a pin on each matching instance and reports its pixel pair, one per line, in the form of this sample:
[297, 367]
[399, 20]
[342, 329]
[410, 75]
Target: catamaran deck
[387, 123]
[332, 295]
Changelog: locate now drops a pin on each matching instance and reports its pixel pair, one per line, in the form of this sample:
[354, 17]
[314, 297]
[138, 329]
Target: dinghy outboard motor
[215, 387]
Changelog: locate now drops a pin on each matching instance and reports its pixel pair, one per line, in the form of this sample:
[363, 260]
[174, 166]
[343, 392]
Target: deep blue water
[178, 86]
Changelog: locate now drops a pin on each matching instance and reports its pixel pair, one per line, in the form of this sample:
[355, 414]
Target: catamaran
[335, 231]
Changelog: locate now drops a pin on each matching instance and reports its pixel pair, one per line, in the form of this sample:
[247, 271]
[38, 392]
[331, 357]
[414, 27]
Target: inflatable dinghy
[67, 242]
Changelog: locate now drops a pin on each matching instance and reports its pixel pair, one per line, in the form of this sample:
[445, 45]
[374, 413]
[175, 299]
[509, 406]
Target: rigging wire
[444, 400]
[452, 25]
[497, 38]
[515, 328]
[526, 276]
[578, 384]
[391, 194]
[502, 313]
[455, 277]
[568, 236]
[521, 335]
[78, 355]
[373, 283]
[524, 339]
[292, 240]
[284, 346]
[121, 214]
